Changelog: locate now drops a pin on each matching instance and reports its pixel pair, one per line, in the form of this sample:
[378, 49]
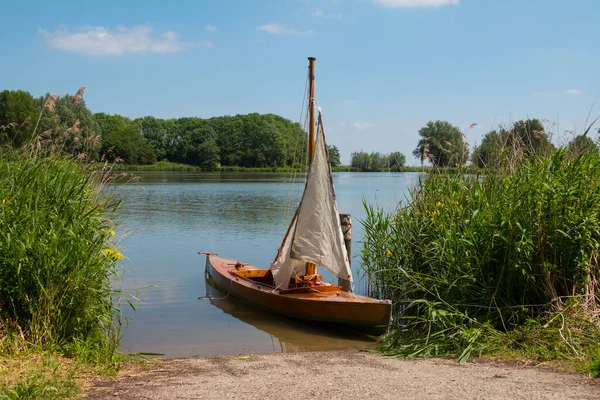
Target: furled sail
[315, 233]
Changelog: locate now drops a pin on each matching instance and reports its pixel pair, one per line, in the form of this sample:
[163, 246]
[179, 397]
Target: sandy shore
[340, 375]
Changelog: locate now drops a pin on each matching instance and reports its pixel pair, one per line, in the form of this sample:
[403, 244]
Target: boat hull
[326, 304]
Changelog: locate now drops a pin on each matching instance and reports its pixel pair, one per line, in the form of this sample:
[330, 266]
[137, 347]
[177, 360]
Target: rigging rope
[298, 154]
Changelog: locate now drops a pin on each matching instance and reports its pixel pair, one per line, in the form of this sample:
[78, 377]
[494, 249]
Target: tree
[376, 162]
[70, 126]
[396, 161]
[208, 155]
[154, 130]
[523, 138]
[334, 155]
[488, 153]
[121, 138]
[442, 144]
[581, 145]
[19, 112]
[531, 135]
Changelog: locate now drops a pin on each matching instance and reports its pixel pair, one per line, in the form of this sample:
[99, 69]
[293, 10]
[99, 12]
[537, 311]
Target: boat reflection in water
[288, 335]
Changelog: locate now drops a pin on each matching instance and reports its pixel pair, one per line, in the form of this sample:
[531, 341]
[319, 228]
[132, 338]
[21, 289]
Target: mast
[311, 108]
[311, 269]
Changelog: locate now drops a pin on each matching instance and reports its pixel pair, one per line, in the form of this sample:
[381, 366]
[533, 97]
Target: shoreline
[339, 374]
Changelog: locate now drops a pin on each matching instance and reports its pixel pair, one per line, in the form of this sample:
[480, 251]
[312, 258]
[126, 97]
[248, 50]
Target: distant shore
[166, 166]
[339, 375]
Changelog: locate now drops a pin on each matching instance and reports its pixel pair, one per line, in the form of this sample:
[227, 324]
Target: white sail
[284, 267]
[315, 234]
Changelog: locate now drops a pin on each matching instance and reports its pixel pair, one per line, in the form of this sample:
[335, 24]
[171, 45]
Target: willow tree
[442, 144]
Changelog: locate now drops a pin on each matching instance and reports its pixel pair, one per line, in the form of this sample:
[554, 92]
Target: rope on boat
[217, 298]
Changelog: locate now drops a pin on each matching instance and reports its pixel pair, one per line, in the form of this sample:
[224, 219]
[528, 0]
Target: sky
[384, 68]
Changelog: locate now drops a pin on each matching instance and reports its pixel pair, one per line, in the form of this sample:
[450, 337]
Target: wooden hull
[327, 304]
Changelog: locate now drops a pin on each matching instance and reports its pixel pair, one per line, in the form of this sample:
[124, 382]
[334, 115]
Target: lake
[167, 217]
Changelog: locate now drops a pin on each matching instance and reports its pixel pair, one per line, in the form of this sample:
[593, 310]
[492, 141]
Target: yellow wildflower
[439, 204]
[111, 233]
[388, 253]
[113, 254]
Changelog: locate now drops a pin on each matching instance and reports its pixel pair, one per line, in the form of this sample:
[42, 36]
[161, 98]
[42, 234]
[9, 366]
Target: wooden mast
[311, 268]
[311, 108]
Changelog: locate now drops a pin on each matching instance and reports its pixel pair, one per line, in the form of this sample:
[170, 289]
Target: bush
[56, 257]
[472, 260]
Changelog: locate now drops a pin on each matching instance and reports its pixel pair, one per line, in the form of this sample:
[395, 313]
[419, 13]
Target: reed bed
[57, 258]
[501, 261]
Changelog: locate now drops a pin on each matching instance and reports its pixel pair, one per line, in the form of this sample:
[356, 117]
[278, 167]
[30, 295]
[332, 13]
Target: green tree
[490, 149]
[19, 112]
[71, 127]
[369, 162]
[396, 161]
[154, 130]
[334, 155]
[580, 145]
[192, 133]
[121, 138]
[441, 143]
[531, 135]
[523, 138]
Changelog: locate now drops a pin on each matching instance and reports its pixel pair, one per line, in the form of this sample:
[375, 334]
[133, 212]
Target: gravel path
[340, 375]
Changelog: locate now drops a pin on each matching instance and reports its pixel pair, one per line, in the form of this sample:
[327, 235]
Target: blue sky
[384, 67]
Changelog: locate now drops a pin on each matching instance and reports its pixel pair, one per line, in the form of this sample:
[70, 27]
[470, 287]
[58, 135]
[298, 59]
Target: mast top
[312, 58]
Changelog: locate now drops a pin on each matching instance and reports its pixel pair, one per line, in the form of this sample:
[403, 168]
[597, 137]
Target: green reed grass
[56, 258]
[502, 260]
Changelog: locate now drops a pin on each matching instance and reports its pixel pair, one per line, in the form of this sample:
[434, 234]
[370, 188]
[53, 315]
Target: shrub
[56, 256]
[471, 260]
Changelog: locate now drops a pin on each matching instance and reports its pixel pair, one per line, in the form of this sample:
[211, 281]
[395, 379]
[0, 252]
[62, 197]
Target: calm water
[166, 218]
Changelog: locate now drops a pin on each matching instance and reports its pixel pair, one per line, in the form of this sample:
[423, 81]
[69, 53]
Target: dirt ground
[339, 375]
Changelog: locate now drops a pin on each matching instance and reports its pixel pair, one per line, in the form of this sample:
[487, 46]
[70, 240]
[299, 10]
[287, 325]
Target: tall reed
[474, 260]
[56, 257]
[57, 254]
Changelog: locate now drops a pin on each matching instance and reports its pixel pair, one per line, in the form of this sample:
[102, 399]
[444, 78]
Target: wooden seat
[300, 279]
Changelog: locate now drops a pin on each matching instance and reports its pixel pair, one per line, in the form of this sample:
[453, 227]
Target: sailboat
[292, 286]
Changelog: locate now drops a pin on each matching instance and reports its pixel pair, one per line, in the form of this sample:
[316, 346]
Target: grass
[504, 261]
[39, 376]
[58, 258]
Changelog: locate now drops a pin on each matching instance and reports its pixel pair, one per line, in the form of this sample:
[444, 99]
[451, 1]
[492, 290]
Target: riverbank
[166, 166]
[337, 375]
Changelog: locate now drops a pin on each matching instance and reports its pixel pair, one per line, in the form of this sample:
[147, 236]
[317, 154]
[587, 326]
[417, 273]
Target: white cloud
[361, 126]
[415, 3]
[546, 93]
[276, 29]
[210, 28]
[350, 102]
[321, 14]
[99, 41]
[573, 91]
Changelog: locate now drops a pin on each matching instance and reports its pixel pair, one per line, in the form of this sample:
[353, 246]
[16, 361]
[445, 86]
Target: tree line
[377, 162]
[251, 140]
[444, 145]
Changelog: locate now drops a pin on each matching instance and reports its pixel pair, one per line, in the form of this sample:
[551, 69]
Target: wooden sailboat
[291, 286]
